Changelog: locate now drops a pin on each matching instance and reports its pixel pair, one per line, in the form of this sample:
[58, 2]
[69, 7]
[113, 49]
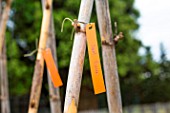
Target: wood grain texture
[109, 58]
[39, 65]
[77, 58]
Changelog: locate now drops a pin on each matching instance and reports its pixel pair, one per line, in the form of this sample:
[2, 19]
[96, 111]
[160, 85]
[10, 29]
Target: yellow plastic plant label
[96, 71]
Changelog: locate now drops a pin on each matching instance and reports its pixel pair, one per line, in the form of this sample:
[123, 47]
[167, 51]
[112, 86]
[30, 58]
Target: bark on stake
[5, 104]
[55, 102]
[39, 66]
[77, 58]
[109, 57]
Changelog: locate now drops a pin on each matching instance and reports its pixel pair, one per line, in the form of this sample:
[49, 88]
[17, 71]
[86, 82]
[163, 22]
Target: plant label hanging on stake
[96, 71]
[55, 77]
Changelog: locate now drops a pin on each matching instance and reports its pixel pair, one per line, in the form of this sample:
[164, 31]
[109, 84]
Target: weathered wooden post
[39, 66]
[5, 104]
[77, 58]
[109, 57]
[55, 102]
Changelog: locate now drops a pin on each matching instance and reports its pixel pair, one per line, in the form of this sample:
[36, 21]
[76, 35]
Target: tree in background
[155, 87]
[164, 63]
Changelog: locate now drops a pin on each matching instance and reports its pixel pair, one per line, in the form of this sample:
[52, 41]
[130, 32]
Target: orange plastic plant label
[96, 71]
[55, 77]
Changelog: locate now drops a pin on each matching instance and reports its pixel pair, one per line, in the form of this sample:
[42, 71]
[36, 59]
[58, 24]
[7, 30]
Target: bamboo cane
[4, 19]
[77, 58]
[39, 66]
[109, 57]
[5, 104]
[55, 102]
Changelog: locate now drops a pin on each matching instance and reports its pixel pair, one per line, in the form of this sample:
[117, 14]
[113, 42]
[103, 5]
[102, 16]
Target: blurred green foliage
[142, 79]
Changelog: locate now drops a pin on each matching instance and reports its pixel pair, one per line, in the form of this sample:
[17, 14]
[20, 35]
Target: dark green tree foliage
[164, 63]
[24, 30]
[138, 74]
[156, 86]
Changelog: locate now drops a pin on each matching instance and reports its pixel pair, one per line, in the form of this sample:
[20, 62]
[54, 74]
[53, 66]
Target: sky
[154, 24]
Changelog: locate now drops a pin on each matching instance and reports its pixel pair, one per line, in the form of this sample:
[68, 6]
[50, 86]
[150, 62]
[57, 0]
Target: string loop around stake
[72, 23]
[30, 54]
[34, 51]
[62, 26]
[75, 23]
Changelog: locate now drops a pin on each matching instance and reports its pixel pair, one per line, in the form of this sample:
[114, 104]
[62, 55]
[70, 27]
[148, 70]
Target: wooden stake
[39, 66]
[55, 102]
[4, 19]
[77, 58]
[109, 57]
[5, 104]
